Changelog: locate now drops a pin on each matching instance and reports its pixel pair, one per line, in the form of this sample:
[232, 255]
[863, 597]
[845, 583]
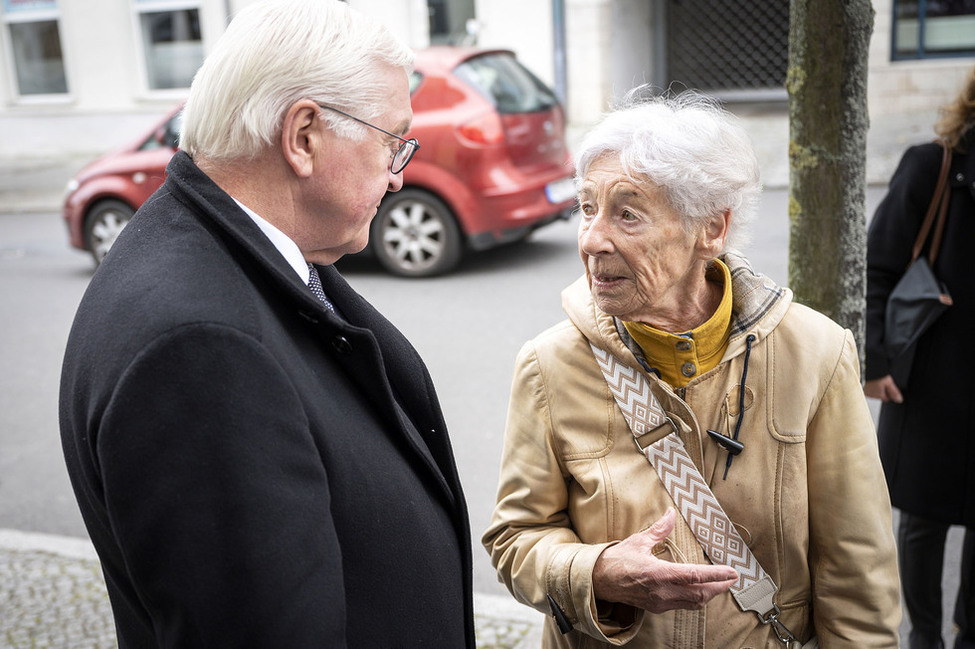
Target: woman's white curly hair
[697, 152]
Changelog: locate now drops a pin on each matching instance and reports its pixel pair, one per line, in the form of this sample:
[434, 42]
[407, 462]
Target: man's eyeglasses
[406, 148]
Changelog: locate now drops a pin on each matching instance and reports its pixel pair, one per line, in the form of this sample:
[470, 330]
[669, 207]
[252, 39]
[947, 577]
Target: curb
[504, 612]
[54, 595]
[64, 546]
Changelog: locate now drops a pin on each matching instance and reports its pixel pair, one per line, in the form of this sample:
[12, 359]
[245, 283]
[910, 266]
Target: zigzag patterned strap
[754, 590]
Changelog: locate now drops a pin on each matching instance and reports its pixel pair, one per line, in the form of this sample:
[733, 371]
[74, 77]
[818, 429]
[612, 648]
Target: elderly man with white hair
[259, 456]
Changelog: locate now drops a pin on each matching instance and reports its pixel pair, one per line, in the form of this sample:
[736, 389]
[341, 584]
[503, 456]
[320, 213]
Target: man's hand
[884, 389]
[629, 573]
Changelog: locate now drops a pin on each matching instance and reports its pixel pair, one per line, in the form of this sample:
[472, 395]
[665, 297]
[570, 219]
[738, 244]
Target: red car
[492, 167]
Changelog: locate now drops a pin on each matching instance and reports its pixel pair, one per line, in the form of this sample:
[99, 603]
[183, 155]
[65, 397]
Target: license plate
[560, 190]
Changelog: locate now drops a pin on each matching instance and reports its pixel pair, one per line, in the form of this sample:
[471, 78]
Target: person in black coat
[259, 455]
[927, 426]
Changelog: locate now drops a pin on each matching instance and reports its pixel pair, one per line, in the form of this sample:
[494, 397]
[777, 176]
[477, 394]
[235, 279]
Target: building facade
[81, 76]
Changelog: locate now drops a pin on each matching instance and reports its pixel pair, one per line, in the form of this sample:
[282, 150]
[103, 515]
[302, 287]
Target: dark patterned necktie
[315, 284]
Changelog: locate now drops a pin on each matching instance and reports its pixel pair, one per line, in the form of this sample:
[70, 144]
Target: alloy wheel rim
[413, 236]
[105, 231]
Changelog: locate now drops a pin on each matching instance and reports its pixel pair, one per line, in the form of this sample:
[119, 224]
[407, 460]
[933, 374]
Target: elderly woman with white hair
[689, 460]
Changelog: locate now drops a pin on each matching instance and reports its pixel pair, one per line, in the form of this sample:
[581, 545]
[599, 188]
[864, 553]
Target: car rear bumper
[492, 238]
[73, 222]
[506, 214]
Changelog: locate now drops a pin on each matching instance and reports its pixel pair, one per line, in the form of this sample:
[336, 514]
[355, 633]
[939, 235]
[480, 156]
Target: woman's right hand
[629, 573]
[884, 389]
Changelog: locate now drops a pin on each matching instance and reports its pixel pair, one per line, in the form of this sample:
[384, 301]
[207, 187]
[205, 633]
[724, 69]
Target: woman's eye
[627, 215]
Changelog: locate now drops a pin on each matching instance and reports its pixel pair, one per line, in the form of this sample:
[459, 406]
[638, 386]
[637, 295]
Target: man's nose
[395, 181]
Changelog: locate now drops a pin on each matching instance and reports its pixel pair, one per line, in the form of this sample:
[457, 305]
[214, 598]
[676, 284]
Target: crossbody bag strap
[938, 206]
[944, 189]
[655, 435]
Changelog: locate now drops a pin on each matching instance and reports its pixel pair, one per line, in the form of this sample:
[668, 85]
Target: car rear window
[170, 135]
[506, 83]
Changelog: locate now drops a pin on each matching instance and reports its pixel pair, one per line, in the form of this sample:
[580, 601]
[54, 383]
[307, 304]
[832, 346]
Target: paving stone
[57, 599]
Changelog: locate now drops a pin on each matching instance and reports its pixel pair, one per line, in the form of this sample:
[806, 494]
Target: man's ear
[716, 233]
[302, 137]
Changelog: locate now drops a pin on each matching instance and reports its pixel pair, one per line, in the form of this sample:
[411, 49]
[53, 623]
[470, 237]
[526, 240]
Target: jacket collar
[758, 305]
[962, 172]
[192, 186]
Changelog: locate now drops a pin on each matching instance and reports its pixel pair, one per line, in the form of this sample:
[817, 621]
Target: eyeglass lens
[403, 155]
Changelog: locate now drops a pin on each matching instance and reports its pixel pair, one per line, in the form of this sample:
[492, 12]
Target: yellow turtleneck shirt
[681, 357]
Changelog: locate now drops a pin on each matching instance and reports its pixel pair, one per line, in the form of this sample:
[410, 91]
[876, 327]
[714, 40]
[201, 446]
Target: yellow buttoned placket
[681, 357]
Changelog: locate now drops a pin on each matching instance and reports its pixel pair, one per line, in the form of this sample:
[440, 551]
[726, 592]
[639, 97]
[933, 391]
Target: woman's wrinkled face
[641, 263]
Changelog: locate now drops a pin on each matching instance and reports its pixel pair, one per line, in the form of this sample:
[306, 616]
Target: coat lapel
[407, 396]
[401, 388]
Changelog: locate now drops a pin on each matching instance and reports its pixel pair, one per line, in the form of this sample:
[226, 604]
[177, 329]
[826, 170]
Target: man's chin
[329, 256]
[358, 245]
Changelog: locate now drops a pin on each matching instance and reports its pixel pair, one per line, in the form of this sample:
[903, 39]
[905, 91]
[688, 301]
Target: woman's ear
[301, 137]
[715, 234]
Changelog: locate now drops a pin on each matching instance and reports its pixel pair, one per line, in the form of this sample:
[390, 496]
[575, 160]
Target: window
[35, 42]
[933, 28]
[439, 27]
[171, 41]
[506, 83]
[448, 20]
[735, 49]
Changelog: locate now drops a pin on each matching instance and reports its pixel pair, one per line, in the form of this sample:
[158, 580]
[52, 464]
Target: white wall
[588, 43]
[904, 96]
[407, 19]
[101, 70]
[632, 45]
[524, 26]
[908, 86]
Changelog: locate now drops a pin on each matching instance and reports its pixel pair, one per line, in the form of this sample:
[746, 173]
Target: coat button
[683, 345]
[341, 344]
[960, 177]
[688, 369]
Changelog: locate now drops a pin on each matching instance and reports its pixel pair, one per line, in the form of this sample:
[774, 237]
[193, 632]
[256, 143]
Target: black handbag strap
[939, 205]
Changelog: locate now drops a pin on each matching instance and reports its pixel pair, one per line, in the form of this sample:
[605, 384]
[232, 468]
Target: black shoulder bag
[918, 299]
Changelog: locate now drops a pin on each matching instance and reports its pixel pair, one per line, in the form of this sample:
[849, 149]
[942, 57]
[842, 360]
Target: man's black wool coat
[253, 470]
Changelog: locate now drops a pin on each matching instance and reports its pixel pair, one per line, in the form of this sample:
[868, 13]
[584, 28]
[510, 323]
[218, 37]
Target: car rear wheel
[415, 235]
[102, 226]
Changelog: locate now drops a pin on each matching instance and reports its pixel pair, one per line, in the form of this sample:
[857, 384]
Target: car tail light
[486, 129]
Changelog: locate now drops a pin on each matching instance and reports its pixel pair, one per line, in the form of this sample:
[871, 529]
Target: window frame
[140, 7]
[26, 16]
[921, 53]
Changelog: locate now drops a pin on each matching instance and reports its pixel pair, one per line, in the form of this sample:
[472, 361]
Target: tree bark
[828, 121]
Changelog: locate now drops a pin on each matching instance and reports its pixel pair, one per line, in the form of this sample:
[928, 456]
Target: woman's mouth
[605, 279]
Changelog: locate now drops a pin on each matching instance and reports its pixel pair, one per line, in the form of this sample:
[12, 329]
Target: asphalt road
[468, 326]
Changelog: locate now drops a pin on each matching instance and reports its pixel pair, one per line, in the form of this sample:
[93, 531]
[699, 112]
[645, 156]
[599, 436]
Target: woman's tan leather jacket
[807, 493]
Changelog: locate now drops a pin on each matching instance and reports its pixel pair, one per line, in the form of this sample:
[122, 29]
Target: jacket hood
[758, 305]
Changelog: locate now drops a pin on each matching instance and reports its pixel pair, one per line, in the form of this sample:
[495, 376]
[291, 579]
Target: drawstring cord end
[731, 444]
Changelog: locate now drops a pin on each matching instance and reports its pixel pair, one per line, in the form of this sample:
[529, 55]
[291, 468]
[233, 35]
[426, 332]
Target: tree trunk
[828, 120]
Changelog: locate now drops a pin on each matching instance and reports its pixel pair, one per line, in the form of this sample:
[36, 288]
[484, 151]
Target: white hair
[687, 145]
[277, 52]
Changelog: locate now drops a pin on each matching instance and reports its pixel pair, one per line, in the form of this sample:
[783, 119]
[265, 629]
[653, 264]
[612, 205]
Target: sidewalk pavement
[31, 184]
[53, 595]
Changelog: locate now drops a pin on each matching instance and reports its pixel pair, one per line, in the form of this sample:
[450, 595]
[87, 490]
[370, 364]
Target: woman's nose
[593, 237]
